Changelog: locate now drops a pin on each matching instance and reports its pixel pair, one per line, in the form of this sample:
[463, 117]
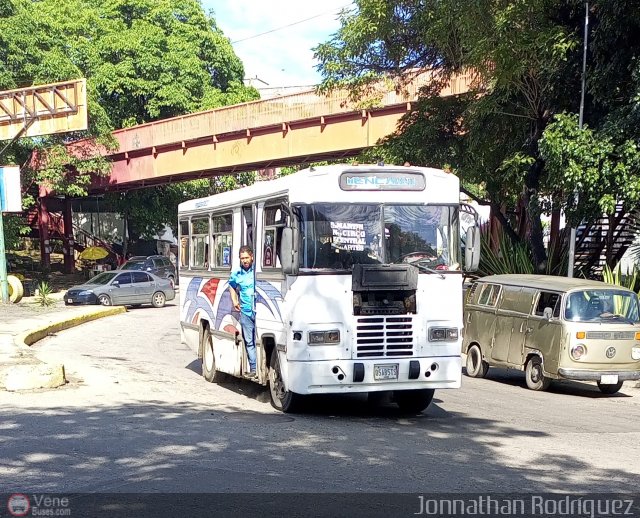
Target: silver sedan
[122, 288]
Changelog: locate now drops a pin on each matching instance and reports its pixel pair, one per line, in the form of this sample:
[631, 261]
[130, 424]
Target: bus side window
[247, 219]
[274, 222]
[200, 242]
[222, 234]
[183, 250]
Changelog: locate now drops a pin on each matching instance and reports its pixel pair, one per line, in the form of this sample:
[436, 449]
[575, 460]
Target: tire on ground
[16, 290]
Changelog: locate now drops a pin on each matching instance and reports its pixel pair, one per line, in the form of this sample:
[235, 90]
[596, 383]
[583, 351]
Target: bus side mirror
[472, 249]
[289, 251]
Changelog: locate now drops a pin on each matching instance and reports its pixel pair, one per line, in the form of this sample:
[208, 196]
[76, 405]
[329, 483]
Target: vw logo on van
[610, 352]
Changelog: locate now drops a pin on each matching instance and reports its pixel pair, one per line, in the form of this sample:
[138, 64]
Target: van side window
[471, 291]
[548, 299]
[489, 295]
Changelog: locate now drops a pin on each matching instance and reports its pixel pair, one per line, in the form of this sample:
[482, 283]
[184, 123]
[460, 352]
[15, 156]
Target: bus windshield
[337, 236]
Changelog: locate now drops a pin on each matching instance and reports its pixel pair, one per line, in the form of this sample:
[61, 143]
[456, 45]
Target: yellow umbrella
[93, 253]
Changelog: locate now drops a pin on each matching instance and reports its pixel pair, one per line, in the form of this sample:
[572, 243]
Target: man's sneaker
[250, 374]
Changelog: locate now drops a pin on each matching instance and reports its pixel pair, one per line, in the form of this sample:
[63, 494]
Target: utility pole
[572, 238]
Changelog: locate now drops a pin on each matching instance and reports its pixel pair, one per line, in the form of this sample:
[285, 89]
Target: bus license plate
[609, 379]
[388, 371]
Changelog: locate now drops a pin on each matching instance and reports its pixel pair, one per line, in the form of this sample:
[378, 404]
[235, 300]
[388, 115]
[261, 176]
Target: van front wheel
[609, 388]
[536, 380]
[476, 366]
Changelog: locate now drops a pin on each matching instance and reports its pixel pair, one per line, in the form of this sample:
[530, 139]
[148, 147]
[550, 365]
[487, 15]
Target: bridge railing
[269, 112]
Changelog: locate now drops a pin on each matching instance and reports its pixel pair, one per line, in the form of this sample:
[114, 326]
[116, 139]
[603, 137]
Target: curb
[31, 337]
[26, 371]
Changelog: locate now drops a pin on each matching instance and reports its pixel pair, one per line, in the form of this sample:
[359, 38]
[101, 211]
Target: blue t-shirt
[243, 281]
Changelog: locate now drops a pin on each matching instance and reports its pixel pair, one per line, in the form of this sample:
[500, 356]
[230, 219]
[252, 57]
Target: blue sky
[282, 57]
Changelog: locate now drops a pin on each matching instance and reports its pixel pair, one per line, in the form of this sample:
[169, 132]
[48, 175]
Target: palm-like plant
[44, 298]
[501, 255]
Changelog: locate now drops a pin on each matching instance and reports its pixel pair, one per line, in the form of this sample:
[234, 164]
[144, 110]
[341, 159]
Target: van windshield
[602, 305]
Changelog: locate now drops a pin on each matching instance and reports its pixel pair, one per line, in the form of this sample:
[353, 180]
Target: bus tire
[413, 401]
[281, 399]
[534, 376]
[609, 388]
[16, 290]
[476, 366]
[209, 371]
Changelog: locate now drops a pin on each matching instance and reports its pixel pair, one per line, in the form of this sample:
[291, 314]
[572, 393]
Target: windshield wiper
[427, 269]
[617, 317]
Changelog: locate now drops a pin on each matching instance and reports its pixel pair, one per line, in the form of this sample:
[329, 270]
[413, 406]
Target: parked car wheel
[610, 388]
[104, 300]
[158, 299]
[534, 376]
[476, 366]
[413, 401]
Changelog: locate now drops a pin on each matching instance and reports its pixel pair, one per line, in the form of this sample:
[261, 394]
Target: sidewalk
[25, 323]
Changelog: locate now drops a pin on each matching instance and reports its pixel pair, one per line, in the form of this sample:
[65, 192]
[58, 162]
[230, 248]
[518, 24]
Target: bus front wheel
[413, 401]
[281, 398]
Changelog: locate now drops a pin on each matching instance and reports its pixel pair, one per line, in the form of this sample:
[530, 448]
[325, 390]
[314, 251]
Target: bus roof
[328, 184]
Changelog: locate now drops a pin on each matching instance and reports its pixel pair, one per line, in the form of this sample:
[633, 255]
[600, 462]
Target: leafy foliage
[513, 138]
[148, 210]
[143, 59]
[501, 255]
[617, 278]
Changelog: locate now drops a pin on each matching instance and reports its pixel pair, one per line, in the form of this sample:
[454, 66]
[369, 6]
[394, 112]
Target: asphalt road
[138, 417]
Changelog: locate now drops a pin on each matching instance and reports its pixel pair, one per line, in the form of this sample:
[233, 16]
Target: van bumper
[577, 374]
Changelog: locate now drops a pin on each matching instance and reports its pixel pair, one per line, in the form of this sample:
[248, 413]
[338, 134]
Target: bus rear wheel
[413, 401]
[281, 398]
[209, 371]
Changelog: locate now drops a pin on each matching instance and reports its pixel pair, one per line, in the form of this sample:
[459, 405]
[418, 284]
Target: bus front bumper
[373, 375]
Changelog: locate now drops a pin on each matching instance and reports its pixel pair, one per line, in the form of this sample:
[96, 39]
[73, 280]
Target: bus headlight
[635, 353]
[443, 334]
[578, 351]
[323, 337]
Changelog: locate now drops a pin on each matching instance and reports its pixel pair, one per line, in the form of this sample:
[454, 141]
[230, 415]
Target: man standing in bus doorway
[242, 284]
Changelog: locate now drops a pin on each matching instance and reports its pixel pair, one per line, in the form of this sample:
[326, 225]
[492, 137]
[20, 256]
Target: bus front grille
[384, 336]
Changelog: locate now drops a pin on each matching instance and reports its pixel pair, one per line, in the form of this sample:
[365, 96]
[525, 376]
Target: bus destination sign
[381, 181]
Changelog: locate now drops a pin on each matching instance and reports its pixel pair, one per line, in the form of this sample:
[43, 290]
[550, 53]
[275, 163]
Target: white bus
[358, 282]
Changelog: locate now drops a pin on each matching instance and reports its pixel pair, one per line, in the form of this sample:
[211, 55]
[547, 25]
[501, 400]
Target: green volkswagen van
[553, 328]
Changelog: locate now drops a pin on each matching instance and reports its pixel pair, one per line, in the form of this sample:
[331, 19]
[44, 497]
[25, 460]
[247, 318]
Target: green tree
[143, 59]
[147, 211]
[508, 138]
